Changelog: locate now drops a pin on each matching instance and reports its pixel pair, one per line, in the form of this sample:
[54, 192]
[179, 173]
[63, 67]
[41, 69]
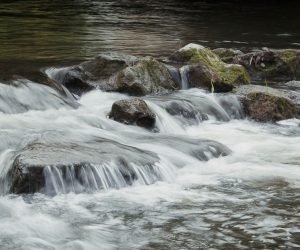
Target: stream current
[247, 199]
[190, 198]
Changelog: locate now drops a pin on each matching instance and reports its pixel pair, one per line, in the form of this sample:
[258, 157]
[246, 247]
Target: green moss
[234, 74]
[224, 53]
[281, 104]
[201, 55]
[151, 67]
[229, 73]
[149, 70]
[288, 56]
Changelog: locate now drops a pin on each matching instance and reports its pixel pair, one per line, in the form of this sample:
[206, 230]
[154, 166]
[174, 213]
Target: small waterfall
[92, 177]
[6, 161]
[175, 74]
[179, 76]
[232, 106]
[165, 122]
[57, 74]
[24, 95]
[192, 106]
[184, 77]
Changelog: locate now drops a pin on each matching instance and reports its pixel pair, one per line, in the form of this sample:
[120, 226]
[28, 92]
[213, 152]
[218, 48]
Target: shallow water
[249, 199]
[192, 198]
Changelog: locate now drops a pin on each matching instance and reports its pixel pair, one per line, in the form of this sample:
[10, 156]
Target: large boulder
[134, 112]
[72, 166]
[126, 74]
[207, 70]
[74, 78]
[271, 65]
[265, 104]
[55, 168]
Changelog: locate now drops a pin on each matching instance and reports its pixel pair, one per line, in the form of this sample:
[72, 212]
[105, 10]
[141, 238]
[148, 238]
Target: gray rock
[74, 166]
[101, 163]
[93, 73]
[120, 73]
[74, 78]
[147, 76]
[134, 112]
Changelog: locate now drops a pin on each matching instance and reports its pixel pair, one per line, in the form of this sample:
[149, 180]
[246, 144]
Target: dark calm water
[78, 29]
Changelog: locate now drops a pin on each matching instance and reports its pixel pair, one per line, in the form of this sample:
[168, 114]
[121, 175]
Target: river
[248, 199]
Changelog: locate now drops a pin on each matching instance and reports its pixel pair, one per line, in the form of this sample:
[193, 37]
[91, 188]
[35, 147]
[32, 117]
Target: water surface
[248, 199]
[80, 29]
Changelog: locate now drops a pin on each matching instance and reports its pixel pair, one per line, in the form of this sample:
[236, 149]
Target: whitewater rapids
[248, 199]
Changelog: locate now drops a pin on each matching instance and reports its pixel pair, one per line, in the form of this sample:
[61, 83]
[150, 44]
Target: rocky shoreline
[194, 66]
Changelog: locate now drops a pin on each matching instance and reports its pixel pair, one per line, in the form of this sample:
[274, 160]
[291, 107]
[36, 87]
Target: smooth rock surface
[28, 173]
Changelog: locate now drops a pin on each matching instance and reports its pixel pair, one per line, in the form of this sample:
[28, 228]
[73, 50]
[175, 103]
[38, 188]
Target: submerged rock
[265, 104]
[207, 70]
[74, 168]
[201, 149]
[184, 109]
[294, 85]
[74, 78]
[272, 65]
[133, 112]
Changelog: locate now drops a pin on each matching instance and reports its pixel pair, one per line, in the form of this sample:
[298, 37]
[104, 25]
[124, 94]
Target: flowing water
[204, 178]
[248, 199]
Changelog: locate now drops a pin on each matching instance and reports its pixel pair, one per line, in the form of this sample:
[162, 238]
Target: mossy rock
[147, 76]
[227, 55]
[265, 104]
[272, 65]
[207, 70]
[263, 107]
[75, 79]
[193, 53]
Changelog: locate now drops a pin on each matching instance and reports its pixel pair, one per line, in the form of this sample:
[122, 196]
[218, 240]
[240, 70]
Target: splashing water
[188, 198]
[184, 78]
